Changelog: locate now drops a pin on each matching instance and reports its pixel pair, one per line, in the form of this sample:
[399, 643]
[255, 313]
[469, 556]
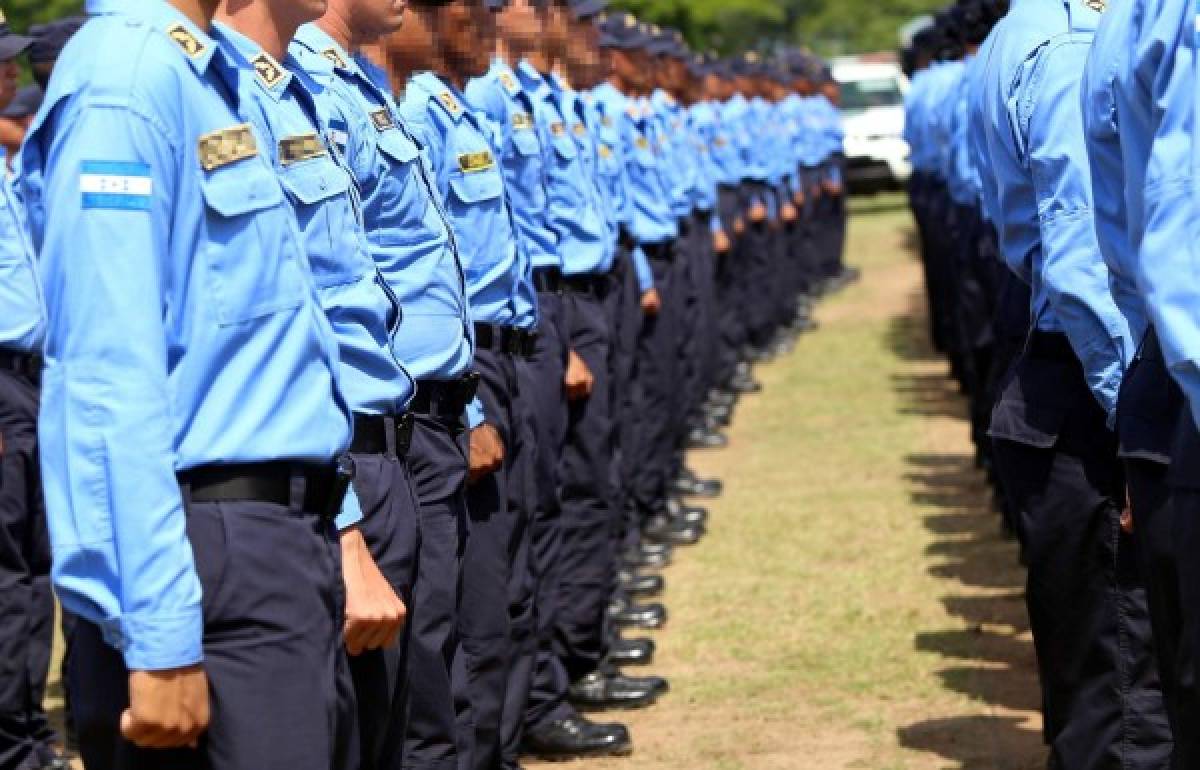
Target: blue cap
[25, 104]
[621, 30]
[748, 64]
[12, 45]
[50, 39]
[583, 10]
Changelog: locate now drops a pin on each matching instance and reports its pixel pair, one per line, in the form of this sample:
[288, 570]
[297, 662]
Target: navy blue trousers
[26, 602]
[385, 491]
[279, 682]
[1087, 606]
[544, 375]
[438, 461]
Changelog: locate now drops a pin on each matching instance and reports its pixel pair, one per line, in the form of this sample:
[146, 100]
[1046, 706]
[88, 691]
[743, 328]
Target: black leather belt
[26, 364]
[664, 251]
[445, 398]
[1053, 346]
[505, 339]
[382, 434]
[547, 280]
[591, 285]
[324, 485]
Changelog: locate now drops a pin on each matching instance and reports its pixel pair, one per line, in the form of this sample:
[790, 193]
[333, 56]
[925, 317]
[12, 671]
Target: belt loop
[297, 490]
[389, 430]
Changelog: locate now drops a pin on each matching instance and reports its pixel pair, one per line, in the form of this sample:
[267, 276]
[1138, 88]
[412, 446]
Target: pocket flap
[398, 147]
[477, 187]
[1035, 426]
[241, 189]
[315, 181]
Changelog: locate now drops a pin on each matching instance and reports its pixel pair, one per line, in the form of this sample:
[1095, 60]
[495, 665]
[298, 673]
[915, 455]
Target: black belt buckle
[466, 388]
[343, 477]
[405, 425]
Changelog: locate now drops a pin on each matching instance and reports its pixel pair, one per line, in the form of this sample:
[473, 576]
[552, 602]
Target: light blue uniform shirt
[443, 337]
[572, 213]
[22, 307]
[499, 95]
[583, 124]
[977, 125]
[702, 132]
[278, 99]
[1156, 97]
[709, 121]
[917, 121]
[676, 156]
[1037, 148]
[184, 326]
[1117, 186]
[645, 219]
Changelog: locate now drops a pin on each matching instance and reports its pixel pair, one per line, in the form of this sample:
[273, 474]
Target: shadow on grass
[866, 205]
[991, 660]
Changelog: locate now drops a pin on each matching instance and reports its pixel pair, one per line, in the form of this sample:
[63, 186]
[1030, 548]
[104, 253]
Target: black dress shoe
[577, 737]
[745, 384]
[690, 515]
[702, 487]
[599, 691]
[636, 558]
[723, 398]
[623, 613]
[654, 549]
[636, 583]
[701, 438]
[664, 529]
[631, 652]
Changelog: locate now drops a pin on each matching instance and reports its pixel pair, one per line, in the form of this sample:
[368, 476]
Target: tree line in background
[828, 27]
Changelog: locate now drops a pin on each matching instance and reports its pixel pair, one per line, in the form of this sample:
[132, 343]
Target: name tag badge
[296, 149]
[226, 146]
[474, 162]
[383, 120]
[522, 121]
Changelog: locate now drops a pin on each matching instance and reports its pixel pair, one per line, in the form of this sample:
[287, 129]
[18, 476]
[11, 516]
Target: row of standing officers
[1055, 148]
[361, 418]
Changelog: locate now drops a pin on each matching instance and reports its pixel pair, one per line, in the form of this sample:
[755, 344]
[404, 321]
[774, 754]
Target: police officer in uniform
[1051, 426]
[191, 515]
[27, 741]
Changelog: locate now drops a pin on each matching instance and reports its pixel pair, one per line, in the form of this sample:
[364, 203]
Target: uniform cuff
[160, 641]
[351, 513]
[641, 266]
[475, 413]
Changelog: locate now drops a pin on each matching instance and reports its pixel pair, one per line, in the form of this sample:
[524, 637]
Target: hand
[721, 242]
[758, 213]
[739, 226]
[1127, 515]
[374, 614]
[788, 212]
[579, 379]
[832, 188]
[651, 302]
[487, 452]
[167, 709]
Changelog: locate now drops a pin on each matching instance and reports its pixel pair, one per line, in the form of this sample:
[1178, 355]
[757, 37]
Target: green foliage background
[828, 27]
[22, 13]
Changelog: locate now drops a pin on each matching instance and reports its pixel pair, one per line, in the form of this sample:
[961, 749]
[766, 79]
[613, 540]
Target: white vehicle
[877, 157]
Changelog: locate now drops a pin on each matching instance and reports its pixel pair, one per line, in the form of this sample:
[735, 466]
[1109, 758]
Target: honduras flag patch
[118, 185]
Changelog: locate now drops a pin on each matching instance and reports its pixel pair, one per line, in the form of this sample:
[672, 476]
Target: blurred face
[466, 36]
[832, 92]
[555, 32]
[296, 12]
[9, 73]
[411, 47]
[370, 20]
[583, 57]
[520, 25]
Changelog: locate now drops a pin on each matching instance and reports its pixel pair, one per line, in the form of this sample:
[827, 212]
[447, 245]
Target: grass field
[854, 605]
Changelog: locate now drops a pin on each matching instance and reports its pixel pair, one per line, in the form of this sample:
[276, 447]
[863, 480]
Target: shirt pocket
[320, 189]
[525, 142]
[254, 272]
[478, 187]
[565, 147]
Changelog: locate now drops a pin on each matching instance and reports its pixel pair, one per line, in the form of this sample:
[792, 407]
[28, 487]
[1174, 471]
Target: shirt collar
[319, 42]
[445, 94]
[270, 75]
[196, 44]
